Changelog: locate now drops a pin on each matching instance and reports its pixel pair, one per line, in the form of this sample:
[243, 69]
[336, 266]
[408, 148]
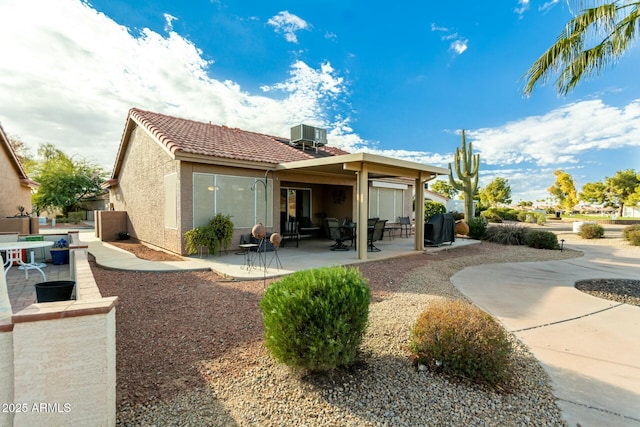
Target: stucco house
[173, 174]
[16, 185]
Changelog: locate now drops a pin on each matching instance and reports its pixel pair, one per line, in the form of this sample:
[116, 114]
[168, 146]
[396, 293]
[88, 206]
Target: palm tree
[612, 26]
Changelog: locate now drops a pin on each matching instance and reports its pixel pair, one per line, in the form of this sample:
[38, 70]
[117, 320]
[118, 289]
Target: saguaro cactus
[467, 165]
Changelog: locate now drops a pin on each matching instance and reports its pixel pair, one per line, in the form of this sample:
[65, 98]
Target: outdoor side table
[246, 251]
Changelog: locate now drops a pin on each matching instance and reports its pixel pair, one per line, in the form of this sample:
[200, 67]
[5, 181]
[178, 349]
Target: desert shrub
[491, 215]
[634, 237]
[522, 216]
[477, 227]
[509, 214]
[459, 339]
[316, 319]
[541, 239]
[591, 231]
[629, 230]
[76, 217]
[431, 208]
[508, 234]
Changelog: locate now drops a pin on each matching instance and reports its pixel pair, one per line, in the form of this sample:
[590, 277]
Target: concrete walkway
[309, 254]
[590, 347]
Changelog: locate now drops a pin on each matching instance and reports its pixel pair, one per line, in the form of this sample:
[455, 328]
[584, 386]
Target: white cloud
[287, 23]
[561, 135]
[523, 6]
[458, 45]
[70, 76]
[548, 5]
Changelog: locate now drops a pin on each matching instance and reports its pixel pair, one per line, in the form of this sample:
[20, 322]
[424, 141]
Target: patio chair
[291, 230]
[336, 233]
[405, 225]
[376, 234]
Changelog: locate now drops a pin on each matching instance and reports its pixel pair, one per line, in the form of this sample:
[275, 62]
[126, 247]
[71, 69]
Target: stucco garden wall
[140, 191]
[58, 359]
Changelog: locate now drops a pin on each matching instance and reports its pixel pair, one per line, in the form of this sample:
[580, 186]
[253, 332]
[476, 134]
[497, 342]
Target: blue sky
[397, 78]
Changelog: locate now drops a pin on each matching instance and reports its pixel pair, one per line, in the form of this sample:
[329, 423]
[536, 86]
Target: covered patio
[361, 168]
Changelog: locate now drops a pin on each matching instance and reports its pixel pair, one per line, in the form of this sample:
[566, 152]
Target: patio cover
[365, 166]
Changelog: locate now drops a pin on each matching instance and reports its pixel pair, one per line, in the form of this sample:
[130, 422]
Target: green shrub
[459, 339]
[629, 230]
[541, 239]
[522, 216]
[431, 208]
[508, 234]
[491, 215]
[76, 217]
[477, 228]
[591, 231]
[315, 319]
[216, 235]
[634, 237]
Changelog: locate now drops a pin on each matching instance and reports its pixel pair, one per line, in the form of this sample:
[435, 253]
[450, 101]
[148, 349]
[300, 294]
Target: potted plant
[60, 252]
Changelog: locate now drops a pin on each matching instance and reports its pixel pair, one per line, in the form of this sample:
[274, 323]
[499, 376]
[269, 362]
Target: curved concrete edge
[588, 346]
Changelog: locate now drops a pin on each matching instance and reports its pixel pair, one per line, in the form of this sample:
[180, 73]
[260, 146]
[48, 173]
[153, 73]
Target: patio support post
[419, 213]
[363, 210]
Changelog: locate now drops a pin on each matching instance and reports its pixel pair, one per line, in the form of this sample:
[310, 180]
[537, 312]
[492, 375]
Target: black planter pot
[56, 290]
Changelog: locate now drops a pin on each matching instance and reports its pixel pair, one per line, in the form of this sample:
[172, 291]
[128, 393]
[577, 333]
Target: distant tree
[64, 181]
[497, 191]
[622, 186]
[590, 42]
[594, 192]
[564, 190]
[21, 150]
[525, 203]
[443, 188]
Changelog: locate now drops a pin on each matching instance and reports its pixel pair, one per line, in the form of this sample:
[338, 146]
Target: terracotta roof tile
[220, 141]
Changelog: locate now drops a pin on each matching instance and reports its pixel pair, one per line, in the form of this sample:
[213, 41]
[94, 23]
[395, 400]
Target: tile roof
[188, 136]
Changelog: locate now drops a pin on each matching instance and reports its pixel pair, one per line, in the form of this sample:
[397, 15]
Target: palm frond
[613, 24]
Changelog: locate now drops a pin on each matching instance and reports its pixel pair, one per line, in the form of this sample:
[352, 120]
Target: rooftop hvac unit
[308, 136]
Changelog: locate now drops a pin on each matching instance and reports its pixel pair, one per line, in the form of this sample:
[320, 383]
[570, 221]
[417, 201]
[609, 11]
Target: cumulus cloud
[559, 136]
[288, 24]
[71, 75]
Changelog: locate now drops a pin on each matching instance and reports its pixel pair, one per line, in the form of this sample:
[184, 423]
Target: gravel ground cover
[190, 352]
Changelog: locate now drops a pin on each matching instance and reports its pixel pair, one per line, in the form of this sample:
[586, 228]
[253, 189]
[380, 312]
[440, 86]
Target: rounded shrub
[459, 339]
[316, 319]
[634, 238]
[541, 239]
[626, 233]
[508, 234]
[477, 227]
[591, 231]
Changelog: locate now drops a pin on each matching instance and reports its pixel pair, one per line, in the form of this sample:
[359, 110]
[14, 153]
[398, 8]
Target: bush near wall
[316, 319]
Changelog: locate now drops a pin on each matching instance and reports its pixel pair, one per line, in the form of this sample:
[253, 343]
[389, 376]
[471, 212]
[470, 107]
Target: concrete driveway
[590, 347]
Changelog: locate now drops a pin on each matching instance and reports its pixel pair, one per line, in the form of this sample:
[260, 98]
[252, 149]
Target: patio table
[14, 254]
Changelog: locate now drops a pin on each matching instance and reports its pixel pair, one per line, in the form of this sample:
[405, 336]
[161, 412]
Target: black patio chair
[376, 234]
[336, 233]
[405, 225]
[290, 231]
